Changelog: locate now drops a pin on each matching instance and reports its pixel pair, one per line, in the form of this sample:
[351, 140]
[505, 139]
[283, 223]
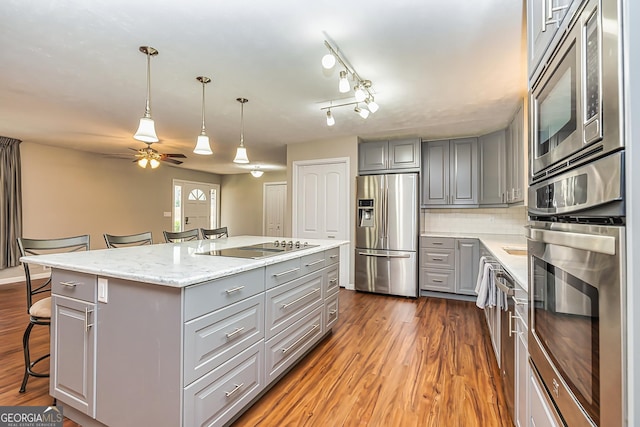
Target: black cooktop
[260, 250]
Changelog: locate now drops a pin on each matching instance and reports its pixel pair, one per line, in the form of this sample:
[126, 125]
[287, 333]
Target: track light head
[330, 120]
[343, 85]
[328, 61]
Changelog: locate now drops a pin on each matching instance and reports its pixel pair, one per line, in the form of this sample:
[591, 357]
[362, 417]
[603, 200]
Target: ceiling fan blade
[170, 160]
[181, 156]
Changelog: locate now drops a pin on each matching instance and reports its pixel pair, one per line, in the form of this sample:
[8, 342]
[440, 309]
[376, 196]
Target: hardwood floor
[389, 362]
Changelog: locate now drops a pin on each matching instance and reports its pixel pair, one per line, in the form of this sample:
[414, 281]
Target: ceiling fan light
[256, 172]
[330, 120]
[372, 105]
[154, 163]
[143, 162]
[328, 61]
[360, 95]
[203, 146]
[146, 130]
[241, 156]
[343, 85]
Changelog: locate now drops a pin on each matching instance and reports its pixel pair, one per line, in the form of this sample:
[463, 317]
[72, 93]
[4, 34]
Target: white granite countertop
[515, 265]
[173, 264]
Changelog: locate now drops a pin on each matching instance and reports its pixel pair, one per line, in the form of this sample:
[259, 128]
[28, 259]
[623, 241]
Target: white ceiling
[71, 74]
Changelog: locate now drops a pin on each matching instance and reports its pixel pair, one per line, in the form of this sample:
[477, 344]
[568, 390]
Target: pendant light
[241, 152]
[146, 130]
[202, 143]
[256, 172]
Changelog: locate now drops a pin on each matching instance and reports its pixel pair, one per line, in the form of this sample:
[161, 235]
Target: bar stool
[214, 233]
[139, 239]
[180, 236]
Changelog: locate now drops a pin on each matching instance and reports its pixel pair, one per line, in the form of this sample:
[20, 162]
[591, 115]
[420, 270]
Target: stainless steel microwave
[575, 102]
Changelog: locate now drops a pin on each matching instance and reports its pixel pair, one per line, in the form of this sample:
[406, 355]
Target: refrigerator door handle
[384, 255]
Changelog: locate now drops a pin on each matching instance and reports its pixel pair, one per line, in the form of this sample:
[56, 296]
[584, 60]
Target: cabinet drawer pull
[234, 333]
[519, 301]
[293, 270]
[333, 312]
[438, 259]
[437, 243]
[436, 280]
[302, 338]
[333, 281]
[299, 299]
[318, 261]
[235, 389]
[333, 256]
[236, 289]
[69, 284]
[87, 325]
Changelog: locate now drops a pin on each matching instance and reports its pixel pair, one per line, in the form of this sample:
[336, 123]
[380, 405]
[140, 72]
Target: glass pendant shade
[241, 156]
[154, 163]
[143, 162]
[256, 173]
[203, 146]
[343, 85]
[330, 120]
[372, 105]
[146, 130]
[328, 61]
[360, 95]
[364, 113]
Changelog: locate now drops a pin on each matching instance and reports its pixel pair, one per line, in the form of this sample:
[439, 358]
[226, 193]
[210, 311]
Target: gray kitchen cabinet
[492, 151]
[467, 258]
[450, 173]
[541, 410]
[73, 363]
[449, 265]
[544, 17]
[515, 158]
[389, 156]
[521, 364]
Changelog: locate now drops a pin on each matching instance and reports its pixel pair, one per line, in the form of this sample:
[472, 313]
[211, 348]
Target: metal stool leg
[27, 357]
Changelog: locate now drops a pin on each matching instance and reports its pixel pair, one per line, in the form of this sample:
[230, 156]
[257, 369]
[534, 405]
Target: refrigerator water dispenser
[365, 213]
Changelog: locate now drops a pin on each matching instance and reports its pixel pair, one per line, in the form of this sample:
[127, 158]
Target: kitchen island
[179, 335]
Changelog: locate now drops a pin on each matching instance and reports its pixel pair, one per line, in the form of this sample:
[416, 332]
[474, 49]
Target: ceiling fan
[151, 157]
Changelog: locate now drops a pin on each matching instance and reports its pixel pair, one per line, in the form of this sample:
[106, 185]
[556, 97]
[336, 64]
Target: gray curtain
[10, 202]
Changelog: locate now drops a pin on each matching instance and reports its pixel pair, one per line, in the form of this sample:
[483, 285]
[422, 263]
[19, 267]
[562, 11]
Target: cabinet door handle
[234, 333]
[283, 306]
[236, 289]
[333, 312]
[235, 389]
[293, 270]
[302, 338]
[318, 261]
[69, 284]
[333, 281]
[333, 256]
[87, 325]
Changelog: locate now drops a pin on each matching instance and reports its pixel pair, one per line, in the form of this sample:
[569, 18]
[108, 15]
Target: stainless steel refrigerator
[387, 234]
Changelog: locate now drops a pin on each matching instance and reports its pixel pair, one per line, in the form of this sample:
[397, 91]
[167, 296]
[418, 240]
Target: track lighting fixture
[241, 152]
[202, 144]
[146, 129]
[363, 92]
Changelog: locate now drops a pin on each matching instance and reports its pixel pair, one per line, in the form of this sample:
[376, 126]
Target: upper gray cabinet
[389, 156]
[515, 158]
[544, 17]
[450, 172]
[492, 149]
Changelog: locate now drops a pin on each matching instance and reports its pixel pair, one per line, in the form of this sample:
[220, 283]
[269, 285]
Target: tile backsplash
[485, 220]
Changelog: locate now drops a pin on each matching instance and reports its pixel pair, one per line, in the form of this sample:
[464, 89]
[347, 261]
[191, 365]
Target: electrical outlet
[103, 289]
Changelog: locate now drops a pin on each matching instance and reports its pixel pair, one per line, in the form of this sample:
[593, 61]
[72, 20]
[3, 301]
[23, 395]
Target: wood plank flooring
[389, 362]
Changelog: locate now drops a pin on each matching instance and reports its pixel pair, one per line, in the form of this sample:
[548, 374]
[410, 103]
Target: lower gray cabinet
[542, 413]
[449, 265]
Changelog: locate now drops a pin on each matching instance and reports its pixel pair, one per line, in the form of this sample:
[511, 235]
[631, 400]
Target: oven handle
[587, 242]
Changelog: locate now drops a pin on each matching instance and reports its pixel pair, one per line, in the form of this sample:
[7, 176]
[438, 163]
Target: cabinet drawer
[438, 258]
[218, 396]
[210, 296]
[216, 337]
[313, 262]
[286, 348]
[332, 282]
[332, 256]
[289, 302]
[437, 280]
[282, 272]
[437, 242]
[76, 285]
[331, 311]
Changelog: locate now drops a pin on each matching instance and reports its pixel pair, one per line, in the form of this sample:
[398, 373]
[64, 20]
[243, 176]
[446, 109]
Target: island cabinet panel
[288, 303]
[332, 281]
[218, 396]
[209, 296]
[214, 338]
[287, 347]
[73, 343]
[74, 285]
[313, 262]
[331, 311]
[282, 272]
[332, 256]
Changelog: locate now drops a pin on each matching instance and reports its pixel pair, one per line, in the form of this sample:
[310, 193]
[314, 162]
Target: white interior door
[195, 205]
[320, 207]
[275, 202]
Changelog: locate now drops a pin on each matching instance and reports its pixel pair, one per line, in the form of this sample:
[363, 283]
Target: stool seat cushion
[41, 308]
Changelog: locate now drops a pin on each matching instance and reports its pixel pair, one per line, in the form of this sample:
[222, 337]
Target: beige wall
[327, 149]
[69, 192]
[241, 202]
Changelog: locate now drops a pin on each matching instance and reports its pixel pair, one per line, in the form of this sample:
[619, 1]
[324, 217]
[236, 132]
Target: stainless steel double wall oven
[576, 235]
